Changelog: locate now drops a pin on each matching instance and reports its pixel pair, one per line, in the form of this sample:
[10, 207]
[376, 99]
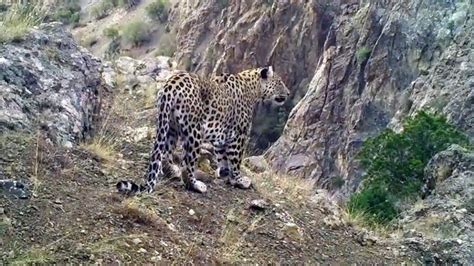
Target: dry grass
[359, 222]
[137, 209]
[114, 244]
[149, 96]
[103, 147]
[233, 235]
[35, 179]
[35, 256]
[279, 187]
[18, 20]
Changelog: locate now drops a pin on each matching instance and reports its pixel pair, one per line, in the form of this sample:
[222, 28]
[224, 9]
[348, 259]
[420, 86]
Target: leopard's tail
[129, 187]
[165, 103]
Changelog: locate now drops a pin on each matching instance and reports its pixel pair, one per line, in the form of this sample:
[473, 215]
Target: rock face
[230, 36]
[47, 81]
[381, 62]
[441, 225]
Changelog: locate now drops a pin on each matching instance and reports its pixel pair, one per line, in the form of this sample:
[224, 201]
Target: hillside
[70, 211]
[370, 161]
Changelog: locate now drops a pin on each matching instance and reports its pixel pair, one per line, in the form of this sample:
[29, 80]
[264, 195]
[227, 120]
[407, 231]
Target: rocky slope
[74, 214]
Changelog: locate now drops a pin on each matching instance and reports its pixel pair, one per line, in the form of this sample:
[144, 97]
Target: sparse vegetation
[18, 20]
[167, 45]
[336, 182]
[136, 33]
[394, 164]
[69, 13]
[103, 147]
[157, 10]
[88, 41]
[278, 187]
[101, 9]
[363, 54]
[127, 4]
[111, 33]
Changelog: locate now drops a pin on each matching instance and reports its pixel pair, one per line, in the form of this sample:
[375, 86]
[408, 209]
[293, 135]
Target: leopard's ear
[266, 72]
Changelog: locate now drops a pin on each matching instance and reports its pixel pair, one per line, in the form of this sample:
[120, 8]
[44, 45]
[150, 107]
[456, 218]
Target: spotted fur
[217, 111]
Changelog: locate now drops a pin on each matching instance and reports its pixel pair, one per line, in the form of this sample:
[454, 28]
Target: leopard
[218, 110]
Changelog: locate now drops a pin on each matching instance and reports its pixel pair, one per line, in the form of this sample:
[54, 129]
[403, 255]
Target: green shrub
[18, 20]
[69, 13]
[127, 4]
[374, 204]
[363, 54]
[102, 9]
[157, 10]
[394, 164]
[111, 33]
[136, 33]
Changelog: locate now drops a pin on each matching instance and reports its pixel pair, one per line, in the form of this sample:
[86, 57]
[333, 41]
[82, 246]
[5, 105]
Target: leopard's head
[273, 87]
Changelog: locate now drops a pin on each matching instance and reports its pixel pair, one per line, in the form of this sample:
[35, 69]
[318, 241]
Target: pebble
[136, 241]
[258, 204]
[57, 201]
[142, 250]
[2, 210]
[191, 212]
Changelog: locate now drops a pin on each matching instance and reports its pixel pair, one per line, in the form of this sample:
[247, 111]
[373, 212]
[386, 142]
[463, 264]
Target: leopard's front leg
[235, 151]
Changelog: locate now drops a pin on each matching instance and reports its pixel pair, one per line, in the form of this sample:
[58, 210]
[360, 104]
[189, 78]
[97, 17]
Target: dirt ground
[74, 215]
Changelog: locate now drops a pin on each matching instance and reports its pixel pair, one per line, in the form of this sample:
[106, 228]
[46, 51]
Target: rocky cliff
[381, 61]
[360, 65]
[354, 68]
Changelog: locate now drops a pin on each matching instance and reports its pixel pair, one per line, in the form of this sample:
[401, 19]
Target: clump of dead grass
[137, 209]
[103, 147]
[278, 187]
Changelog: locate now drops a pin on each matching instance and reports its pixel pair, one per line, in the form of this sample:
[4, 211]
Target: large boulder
[48, 82]
[441, 225]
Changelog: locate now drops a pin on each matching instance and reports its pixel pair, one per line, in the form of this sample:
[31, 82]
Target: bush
[136, 33]
[127, 4]
[111, 33]
[157, 10]
[394, 164]
[102, 9]
[69, 13]
[363, 54]
[18, 19]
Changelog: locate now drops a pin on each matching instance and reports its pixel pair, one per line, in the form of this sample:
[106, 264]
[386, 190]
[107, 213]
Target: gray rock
[256, 164]
[259, 204]
[441, 225]
[381, 63]
[47, 81]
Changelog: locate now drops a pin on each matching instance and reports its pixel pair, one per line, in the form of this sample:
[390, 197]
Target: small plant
[102, 9]
[111, 33]
[136, 33]
[336, 182]
[18, 20]
[363, 54]
[395, 162]
[157, 10]
[69, 13]
[127, 4]
[167, 45]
